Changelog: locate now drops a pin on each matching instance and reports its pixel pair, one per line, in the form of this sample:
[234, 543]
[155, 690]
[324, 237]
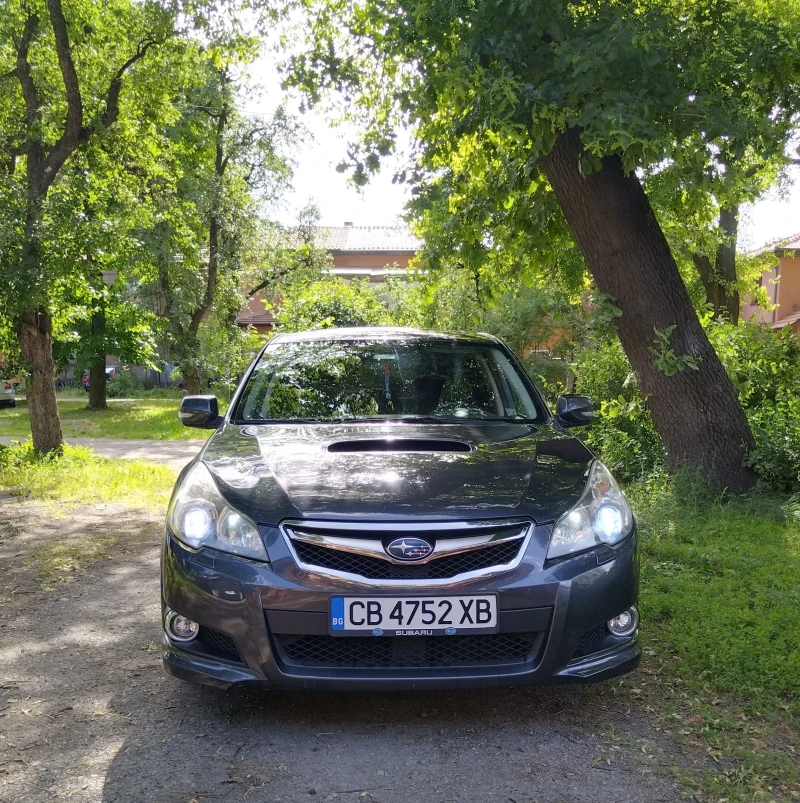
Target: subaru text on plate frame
[393, 508]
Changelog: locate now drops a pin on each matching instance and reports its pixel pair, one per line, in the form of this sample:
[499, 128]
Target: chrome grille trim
[504, 531]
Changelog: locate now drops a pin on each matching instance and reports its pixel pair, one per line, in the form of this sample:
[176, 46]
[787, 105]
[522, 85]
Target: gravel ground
[171, 453]
[87, 713]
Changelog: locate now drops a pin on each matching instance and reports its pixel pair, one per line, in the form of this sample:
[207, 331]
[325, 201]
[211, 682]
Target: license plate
[413, 616]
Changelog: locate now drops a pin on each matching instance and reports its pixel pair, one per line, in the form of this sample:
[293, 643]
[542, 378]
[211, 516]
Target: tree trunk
[97, 370]
[696, 412]
[35, 329]
[719, 278]
[191, 381]
[97, 385]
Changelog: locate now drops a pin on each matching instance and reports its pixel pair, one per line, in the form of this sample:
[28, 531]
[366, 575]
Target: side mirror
[574, 411]
[199, 411]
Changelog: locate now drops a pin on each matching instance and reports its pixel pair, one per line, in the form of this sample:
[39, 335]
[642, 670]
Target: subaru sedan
[396, 509]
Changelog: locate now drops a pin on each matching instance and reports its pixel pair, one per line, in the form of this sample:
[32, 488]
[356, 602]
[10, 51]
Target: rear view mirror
[574, 411]
[201, 412]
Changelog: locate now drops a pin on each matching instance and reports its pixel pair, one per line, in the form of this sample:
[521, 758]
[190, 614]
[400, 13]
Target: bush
[122, 385]
[623, 436]
[764, 366]
[549, 374]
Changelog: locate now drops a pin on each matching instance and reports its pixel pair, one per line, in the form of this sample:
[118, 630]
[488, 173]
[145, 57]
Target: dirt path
[171, 453]
[87, 714]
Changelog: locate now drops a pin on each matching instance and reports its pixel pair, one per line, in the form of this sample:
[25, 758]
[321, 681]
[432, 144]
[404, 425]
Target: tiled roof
[255, 318]
[789, 320]
[368, 238]
[791, 243]
[255, 314]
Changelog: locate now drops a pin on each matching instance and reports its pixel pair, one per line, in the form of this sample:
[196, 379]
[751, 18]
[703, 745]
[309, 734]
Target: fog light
[181, 628]
[624, 624]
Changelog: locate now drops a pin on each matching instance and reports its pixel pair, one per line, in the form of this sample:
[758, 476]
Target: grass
[80, 477]
[143, 418]
[125, 393]
[721, 611]
[59, 562]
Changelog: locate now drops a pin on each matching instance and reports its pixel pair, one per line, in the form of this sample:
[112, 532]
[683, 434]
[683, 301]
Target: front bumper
[252, 611]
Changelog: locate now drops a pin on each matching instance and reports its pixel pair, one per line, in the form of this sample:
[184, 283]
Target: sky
[380, 203]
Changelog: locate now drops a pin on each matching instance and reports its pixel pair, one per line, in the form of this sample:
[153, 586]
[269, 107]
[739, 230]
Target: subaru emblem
[451, 631]
[377, 632]
[409, 549]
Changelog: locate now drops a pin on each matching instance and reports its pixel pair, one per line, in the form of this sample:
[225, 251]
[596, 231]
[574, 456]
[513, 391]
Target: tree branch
[751, 171]
[70, 138]
[269, 281]
[23, 72]
[111, 112]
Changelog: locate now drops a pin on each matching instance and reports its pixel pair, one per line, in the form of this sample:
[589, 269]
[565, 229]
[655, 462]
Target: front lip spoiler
[601, 666]
[222, 675]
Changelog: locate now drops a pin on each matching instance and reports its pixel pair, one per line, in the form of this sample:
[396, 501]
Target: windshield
[387, 380]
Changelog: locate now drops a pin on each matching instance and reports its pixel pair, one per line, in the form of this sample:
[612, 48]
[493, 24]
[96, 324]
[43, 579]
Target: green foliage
[623, 435]
[764, 366]
[207, 248]
[666, 359]
[123, 385]
[226, 350]
[78, 476]
[103, 36]
[694, 94]
[328, 303]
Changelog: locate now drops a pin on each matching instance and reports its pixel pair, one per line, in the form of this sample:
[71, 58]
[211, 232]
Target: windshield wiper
[426, 419]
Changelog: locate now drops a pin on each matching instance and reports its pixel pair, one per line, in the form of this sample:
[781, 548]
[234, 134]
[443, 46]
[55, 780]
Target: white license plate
[413, 616]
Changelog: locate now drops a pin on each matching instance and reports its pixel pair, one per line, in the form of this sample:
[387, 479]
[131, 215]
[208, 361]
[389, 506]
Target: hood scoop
[360, 445]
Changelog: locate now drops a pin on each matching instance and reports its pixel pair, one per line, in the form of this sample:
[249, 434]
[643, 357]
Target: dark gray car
[392, 508]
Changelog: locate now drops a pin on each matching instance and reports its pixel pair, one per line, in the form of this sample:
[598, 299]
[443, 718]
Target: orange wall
[788, 287]
[370, 259]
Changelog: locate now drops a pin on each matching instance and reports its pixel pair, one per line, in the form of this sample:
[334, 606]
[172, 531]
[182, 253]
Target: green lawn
[721, 633]
[140, 418]
[79, 476]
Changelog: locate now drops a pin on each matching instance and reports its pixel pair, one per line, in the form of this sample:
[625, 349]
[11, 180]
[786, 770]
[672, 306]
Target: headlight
[199, 516]
[602, 516]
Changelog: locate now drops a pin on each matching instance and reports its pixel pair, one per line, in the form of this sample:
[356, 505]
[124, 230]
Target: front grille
[437, 569]
[219, 644]
[388, 652]
[589, 640]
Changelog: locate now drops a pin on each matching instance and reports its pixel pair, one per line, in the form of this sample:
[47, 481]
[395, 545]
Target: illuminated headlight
[602, 516]
[199, 516]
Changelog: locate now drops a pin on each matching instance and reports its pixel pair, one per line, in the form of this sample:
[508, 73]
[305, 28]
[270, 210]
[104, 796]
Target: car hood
[273, 472]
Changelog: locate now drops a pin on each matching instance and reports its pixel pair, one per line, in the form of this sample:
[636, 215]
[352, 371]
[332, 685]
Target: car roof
[381, 333]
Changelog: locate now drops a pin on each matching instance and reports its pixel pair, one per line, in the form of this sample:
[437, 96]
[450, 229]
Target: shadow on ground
[87, 713]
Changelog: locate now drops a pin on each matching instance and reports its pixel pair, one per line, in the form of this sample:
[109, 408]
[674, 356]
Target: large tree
[64, 72]
[574, 98]
[228, 166]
